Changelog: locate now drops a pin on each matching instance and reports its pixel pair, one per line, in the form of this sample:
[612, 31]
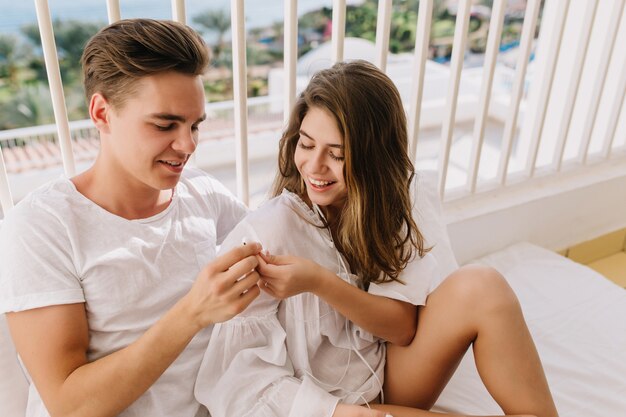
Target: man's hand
[225, 287]
[285, 276]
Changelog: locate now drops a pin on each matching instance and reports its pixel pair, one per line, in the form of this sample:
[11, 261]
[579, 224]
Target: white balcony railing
[567, 119]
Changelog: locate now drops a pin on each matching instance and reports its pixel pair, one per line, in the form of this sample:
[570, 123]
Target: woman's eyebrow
[302, 132]
[331, 145]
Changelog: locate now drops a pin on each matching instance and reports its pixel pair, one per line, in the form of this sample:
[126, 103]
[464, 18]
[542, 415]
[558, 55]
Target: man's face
[153, 133]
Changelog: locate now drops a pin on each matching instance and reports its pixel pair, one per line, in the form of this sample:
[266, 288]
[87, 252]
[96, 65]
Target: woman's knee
[480, 287]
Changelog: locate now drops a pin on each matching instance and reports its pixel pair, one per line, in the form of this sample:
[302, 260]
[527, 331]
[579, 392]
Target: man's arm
[53, 341]
[392, 320]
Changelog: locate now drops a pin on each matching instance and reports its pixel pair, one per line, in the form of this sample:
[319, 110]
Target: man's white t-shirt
[58, 247]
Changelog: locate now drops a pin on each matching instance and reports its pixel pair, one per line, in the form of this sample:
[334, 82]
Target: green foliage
[24, 95]
[14, 59]
[361, 21]
[70, 37]
[218, 90]
[214, 21]
[8, 61]
[315, 20]
[222, 89]
[29, 106]
[442, 29]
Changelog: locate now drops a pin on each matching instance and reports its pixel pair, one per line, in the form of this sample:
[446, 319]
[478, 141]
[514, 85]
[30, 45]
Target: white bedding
[578, 321]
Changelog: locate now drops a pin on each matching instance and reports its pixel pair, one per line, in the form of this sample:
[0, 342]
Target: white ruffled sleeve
[246, 370]
[418, 280]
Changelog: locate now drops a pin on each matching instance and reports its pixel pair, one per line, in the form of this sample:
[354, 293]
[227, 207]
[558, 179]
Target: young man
[109, 279]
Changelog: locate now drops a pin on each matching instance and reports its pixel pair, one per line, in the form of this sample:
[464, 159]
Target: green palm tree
[215, 21]
[9, 59]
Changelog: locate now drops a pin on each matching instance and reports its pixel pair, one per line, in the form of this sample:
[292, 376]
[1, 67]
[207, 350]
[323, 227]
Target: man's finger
[249, 296]
[269, 270]
[242, 267]
[246, 283]
[228, 259]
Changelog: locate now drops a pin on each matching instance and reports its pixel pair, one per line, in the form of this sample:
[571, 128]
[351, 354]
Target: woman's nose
[318, 161]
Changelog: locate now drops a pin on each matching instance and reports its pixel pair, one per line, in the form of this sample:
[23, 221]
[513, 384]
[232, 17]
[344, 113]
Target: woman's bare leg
[474, 305]
[400, 411]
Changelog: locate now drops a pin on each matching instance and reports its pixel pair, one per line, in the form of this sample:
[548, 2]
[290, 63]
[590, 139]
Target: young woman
[313, 343]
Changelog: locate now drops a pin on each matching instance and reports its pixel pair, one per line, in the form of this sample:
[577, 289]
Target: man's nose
[186, 141]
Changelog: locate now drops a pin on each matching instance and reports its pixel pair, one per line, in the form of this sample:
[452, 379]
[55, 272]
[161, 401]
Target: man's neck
[124, 197]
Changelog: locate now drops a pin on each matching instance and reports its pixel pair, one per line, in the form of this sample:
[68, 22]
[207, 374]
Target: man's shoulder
[36, 211]
[54, 195]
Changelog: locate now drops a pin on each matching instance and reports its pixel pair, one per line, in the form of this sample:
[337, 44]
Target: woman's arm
[53, 342]
[389, 319]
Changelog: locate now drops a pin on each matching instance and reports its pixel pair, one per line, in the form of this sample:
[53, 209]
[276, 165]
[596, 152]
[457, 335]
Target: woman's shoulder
[284, 207]
[283, 225]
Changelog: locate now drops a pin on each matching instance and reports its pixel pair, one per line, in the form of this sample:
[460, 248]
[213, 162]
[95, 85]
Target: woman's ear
[99, 109]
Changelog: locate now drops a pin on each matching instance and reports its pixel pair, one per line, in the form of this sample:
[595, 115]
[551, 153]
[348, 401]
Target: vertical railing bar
[113, 10]
[422, 37]
[458, 53]
[56, 85]
[493, 46]
[616, 106]
[605, 61]
[240, 92]
[572, 90]
[622, 120]
[6, 201]
[290, 56]
[510, 126]
[383, 26]
[178, 11]
[339, 29]
[552, 54]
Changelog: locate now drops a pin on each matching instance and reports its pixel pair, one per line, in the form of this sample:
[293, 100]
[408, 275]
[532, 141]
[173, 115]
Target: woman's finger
[267, 288]
[270, 270]
[276, 259]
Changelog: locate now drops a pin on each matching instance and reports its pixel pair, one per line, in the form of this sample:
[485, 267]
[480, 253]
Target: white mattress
[578, 321]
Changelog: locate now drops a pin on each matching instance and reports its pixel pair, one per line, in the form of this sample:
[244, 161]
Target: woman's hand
[284, 276]
[348, 410]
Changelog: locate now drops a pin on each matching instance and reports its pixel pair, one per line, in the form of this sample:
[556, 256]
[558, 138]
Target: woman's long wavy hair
[375, 230]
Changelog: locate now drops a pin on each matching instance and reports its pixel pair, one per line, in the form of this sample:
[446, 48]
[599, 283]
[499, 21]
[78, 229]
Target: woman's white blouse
[297, 357]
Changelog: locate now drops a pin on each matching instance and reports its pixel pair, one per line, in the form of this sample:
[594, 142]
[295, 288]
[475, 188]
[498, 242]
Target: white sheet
[578, 321]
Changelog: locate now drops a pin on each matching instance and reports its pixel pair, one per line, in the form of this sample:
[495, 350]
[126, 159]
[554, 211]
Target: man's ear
[99, 109]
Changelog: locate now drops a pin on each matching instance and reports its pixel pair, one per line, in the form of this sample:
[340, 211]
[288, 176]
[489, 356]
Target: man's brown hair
[120, 54]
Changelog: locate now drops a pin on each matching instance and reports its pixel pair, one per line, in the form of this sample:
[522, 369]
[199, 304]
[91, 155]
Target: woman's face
[319, 159]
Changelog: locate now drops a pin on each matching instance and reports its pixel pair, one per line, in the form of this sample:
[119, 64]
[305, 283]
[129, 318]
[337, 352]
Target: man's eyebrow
[332, 145]
[174, 117]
